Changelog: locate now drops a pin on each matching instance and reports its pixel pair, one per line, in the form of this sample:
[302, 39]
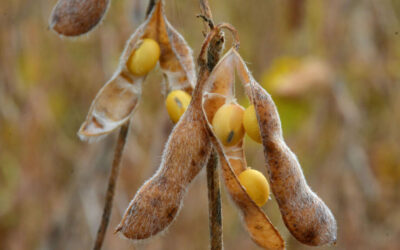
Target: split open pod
[219, 92]
[305, 215]
[154, 42]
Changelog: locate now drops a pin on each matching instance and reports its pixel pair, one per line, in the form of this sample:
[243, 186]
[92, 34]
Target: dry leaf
[77, 17]
[218, 91]
[116, 101]
[306, 216]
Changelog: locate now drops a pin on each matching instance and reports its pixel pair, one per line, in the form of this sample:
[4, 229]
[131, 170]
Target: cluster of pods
[207, 116]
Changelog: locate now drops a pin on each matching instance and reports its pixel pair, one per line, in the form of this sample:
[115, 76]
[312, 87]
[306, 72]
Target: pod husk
[159, 200]
[117, 100]
[305, 215]
[77, 17]
[218, 91]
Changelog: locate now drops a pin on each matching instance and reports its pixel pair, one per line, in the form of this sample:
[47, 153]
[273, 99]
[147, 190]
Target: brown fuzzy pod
[117, 100]
[306, 216]
[77, 17]
[158, 201]
[218, 91]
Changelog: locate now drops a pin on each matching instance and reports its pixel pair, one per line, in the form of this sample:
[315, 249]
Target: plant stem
[206, 12]
[112, 181]
[214, 203]
[214, 195]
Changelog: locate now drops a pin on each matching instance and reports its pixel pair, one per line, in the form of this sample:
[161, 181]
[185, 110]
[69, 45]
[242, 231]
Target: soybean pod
[158, 201]
[77, 17]
[305, 215]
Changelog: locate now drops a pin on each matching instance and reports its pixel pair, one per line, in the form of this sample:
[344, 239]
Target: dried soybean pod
[305, 215]
[219, 90]
[116, 101]
[77, 17]
[158, 201]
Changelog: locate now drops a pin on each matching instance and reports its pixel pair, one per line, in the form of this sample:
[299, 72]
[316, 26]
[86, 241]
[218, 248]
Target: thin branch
[206, 10]
[112, 181]
[208, 21]
[214, 203]
[214, 48]
[213, 45]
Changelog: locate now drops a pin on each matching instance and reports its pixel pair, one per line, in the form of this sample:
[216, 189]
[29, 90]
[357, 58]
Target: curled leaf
[218, 91]
[77, 17]
[117, 100]
[305, 215]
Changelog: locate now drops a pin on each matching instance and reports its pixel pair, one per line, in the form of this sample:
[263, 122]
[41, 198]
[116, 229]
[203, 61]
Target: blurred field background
[333, 68]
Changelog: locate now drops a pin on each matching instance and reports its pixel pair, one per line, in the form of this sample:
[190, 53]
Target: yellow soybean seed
[250, 124]
[177, 102]
[256, 185]
[227, 124]
[144, 58]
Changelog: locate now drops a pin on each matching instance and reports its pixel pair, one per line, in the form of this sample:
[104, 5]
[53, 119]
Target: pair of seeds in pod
[142, 61]
[230, 123]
